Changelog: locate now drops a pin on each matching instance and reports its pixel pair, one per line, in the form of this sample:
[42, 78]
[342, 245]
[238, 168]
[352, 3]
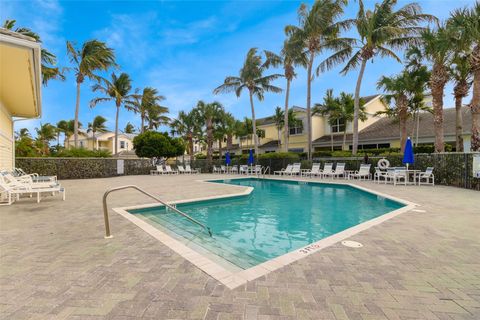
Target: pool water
[276, 218]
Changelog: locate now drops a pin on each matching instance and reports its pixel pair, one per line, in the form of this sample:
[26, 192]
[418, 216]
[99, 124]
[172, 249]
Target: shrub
[278, 155]
[153, 144]
[82, 153]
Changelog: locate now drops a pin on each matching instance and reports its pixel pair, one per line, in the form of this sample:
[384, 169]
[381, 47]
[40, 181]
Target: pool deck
[55, 263]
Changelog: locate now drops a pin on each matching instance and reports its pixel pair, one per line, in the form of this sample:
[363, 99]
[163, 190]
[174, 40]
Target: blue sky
[184, 49]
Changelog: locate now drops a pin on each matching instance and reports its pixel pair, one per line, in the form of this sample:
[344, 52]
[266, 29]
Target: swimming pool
[276, 218]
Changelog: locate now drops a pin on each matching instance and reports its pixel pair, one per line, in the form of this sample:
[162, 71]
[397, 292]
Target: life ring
[383, 163]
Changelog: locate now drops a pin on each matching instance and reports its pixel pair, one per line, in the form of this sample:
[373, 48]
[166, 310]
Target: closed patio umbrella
[250, 158]
[408, 153]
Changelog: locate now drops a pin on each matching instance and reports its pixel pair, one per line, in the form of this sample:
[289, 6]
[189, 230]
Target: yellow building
[20, 88]
[102, 141]
[297, 142]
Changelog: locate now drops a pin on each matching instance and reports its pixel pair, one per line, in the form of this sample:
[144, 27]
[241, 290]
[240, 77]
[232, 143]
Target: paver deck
[55, 263]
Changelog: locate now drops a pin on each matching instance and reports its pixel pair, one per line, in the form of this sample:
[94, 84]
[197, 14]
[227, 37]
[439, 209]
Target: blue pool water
[276, 218]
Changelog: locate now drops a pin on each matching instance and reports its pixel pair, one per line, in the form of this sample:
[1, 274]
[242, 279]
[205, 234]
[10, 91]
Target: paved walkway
[55, 264]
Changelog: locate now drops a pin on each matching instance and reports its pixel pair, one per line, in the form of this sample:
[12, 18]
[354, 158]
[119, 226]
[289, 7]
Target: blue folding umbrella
[250, 158]
[227, 158]
[408, 153]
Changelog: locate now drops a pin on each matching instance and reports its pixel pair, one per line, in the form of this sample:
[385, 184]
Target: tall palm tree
[436, 48]
[97, 125]
[23, 133]
[292, 55]
[156, 116]
[45, 134]
[466, 22]
[117, 90]
[280, 123]
[93, 56]
[144, 103]
[185, 125]
[252, 78]
[460, 72]
[397, 88]
[49, 60]
[318, 31]
[380, 32]
[62, 127]
[329, 108]
[224, 128]
[209, 113]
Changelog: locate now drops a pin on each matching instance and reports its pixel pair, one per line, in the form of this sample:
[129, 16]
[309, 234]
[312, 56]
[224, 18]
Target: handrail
[105, 209]
[264, 171]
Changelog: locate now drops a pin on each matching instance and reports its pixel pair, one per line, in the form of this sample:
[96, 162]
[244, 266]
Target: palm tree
[93, 56]
[118, 90]
[23, 133]
[466, 22]
[145, 103]
[252, 78]
[329, 108]
[460, 72]
[45, 134]
[380, 32]
[436, 48]
[225, 128]
[397, 89]
[291, 56]
[318, 31]
[129, 128]
[209, 113]
[185, 126]
[49, 60]
[62, 127]
[97, 125]
[156, 116]
[279, 120]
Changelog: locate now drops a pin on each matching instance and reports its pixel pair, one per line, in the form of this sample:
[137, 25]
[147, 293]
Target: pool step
[216, 245]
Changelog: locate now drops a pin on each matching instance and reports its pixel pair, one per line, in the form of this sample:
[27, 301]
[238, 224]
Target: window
[122, 144]
[296, 130]
[339, 126]
[296, 150]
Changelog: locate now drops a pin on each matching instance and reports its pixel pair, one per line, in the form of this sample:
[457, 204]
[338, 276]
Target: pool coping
[233, 280]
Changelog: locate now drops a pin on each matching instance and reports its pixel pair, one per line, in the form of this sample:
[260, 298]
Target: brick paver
[55, 264]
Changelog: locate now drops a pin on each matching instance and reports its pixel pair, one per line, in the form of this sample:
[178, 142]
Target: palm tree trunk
[344, 143]
[209, 140]
[94, 140]
[402, 115]
[190, 146]
[438, 79]
[116, 127]
[309, 111]
[220, 148]
[229, 142]
[142, 128]
[458, 124]
[475, 104]
[331, 140]
[77, 110]
[254, 124]
[356, 109]
[286, 128]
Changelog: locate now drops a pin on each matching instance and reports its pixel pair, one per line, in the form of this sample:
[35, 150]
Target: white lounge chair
[12, 191]
[327, 169]
[18, 172]
[188, 169]
[159, 170]
[296, 170]
[427, 176]
[362, 173]
[339, 171]
[169, 170]
[180, 168]
[27, 180]
[287, 170]
[312, 172]
[223, 169]
[379, 174]
[257, 169]
[234, 170]
[243, 169]
[216, 169]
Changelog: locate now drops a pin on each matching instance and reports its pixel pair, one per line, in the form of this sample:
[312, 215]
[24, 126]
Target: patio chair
[396, 175]
[157, 171]
[427, 176]
[288, 169]
[223, 169]
[327, 169]
[234, 170]
[18, 172]
[169, 170]
[243, 169]
[258, 169]
[362, 173]
[216, 169]
[314, 171]
[339, 171]
[27, 180]
[12, 191]
[296, 170]
[180, 169]
[188, 169]
[379, 174]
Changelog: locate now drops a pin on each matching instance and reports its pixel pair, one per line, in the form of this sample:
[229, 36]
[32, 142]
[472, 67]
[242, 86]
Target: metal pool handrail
[264, 171]
[105, 209]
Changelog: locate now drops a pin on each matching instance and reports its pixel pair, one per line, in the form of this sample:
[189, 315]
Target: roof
[20, 76]
[270, 119]
[388, 128]
[270, 144]
[99, 135]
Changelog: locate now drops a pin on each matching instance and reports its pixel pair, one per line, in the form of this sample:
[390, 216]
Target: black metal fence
[451, 169]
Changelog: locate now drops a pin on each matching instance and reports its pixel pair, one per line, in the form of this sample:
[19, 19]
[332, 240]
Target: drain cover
[352, 244]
